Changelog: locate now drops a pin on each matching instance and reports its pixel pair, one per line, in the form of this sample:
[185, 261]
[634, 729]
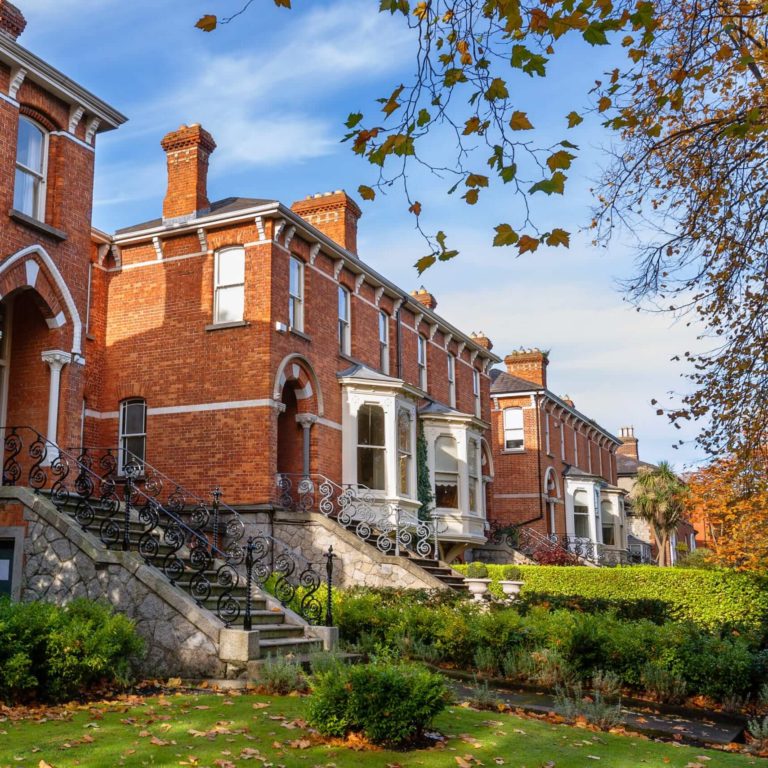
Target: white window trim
[38, 214]
[409, 492]
[451, 380]
[421, 359]
[123, 436]
[547, 440]
[296, 300]
[458, 473]
[562, 441]
[344, 331]
[384, 342]
[381, 448]
[476, 392]
[506, 429]
[219, 286]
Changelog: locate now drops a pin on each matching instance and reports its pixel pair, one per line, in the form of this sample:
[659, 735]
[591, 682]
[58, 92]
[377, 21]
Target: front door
[6, 566]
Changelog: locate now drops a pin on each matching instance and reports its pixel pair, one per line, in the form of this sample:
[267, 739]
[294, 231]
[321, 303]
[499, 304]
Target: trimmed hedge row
[714, 599]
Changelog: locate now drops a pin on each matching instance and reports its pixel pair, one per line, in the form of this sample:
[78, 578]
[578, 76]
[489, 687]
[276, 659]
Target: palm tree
[657, 498]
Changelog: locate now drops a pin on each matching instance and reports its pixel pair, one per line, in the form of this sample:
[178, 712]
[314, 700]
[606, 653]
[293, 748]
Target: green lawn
[262, 731]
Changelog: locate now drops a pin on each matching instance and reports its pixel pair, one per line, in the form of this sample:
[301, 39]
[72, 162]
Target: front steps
[441, 571]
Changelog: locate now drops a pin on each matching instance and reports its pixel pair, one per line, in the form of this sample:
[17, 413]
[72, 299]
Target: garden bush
[714, 599]
[389, 703]
[52, 653]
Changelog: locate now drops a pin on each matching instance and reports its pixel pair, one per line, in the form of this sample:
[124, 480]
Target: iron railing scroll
[194, 543]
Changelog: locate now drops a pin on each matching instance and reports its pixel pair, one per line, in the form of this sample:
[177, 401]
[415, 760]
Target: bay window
[581, 514]
[473, 461]
[608, 523]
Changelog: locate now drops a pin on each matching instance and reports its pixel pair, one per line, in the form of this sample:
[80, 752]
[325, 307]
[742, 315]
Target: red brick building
[555, 469]
[48, 131]
[242, 342]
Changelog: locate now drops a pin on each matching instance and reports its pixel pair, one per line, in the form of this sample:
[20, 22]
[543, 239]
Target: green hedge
[714, 599]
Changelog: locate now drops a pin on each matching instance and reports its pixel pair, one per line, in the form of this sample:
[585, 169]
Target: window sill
[36, 224]
[300, 334]
[224, 326]
[514, 450]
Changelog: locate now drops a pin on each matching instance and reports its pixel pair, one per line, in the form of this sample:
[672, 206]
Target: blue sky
[274, 89]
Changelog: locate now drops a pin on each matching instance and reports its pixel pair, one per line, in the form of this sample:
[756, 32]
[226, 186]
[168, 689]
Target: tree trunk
[660, 537]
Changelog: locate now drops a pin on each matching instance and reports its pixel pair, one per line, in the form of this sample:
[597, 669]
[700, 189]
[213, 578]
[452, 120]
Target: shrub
[571, 702]
[477, 570]
[699, 558]
[713, 599]
[388, 703]
[54, 653]
[281, 676]
[758, 731]
[517, 665]
[607, 684]
[663, 684]
[511, 573]
[486, 660]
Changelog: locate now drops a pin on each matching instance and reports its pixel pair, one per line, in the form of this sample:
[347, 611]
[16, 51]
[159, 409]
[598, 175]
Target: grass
[229, 731]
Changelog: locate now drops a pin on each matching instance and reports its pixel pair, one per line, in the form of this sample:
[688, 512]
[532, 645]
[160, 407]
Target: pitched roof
[227, 205]
[506, 382]
[627, 465]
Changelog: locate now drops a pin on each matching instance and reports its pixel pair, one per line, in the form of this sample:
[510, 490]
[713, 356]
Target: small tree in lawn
[659, 498]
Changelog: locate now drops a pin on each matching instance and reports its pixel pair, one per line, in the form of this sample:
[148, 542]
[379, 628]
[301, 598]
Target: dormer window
[31, 161]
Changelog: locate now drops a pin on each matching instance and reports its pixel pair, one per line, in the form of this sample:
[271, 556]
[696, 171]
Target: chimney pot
[481, 339]
[335, 214]
[423, 296]
[12, 21]
[629, 443]
[187, 151]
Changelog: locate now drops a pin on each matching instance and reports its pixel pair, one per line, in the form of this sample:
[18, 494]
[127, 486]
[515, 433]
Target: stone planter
[511, 588]
[478, 587]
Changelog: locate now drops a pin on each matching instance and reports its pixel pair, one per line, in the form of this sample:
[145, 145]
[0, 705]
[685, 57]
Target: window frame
[124, 436]
[446, 475]
[507, 429]
[474, 476]
[40, 177]
[451, 380]
[476, 392]
[384, 342]
[344, 329]
[296, 300]
[374, 447]
[611, 524]
[421, 361]
[404, 455]
[218, 287]
[583, 516]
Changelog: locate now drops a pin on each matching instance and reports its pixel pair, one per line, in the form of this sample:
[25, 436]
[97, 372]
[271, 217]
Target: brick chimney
[187, 150]
[482, 340]
[628, 445]
[12, 21]
[425, 297]
[567, 400]
[528, 364]
[335, 214]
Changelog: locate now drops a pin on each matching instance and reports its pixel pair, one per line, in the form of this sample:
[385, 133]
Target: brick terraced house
[555, 496]
[226, 387]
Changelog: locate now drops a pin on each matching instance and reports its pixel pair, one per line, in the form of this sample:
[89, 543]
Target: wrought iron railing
[390, 528]
[194, 543]
[560, 549]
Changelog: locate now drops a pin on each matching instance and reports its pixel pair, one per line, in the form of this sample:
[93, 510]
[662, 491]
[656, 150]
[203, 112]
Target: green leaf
[476, 180]
[560, 159]
[423, 118]
[594, 34]
[505, 235]
[454, 75]
[508, 172]
[353, 119]
[366, 193]
[559, 237]
[549, 186]
[496, 90]
[574, 119]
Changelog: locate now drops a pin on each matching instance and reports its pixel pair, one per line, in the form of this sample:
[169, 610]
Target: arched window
[229, 286]
[371, 447]
[404, 453]
[133, 432]
[446, 473]
[608, 523]
[514, 439]
[581, 514]
[31, 161]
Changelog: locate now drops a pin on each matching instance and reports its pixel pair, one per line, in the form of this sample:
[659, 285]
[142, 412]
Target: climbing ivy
[423, 484]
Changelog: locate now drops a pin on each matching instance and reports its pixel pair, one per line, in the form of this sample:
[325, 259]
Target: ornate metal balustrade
[559, 549]
[391, 529]
[195, 543]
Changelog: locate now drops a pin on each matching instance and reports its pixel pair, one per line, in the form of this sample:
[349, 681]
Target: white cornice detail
[359, 280]
[289, 236]
[17, 78]
[473, 356]
[203, 238]
[71, 137]
[417, 320]
[314, 249]
[279, 226]
[117, 255]
[259, 222]
[11, 101]
[76, 113]
[448, 339]
[432, 331]
[396, 306]
[378, 294]
[90, 129]
[460, 351]
[158, 246]
[338, 265]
